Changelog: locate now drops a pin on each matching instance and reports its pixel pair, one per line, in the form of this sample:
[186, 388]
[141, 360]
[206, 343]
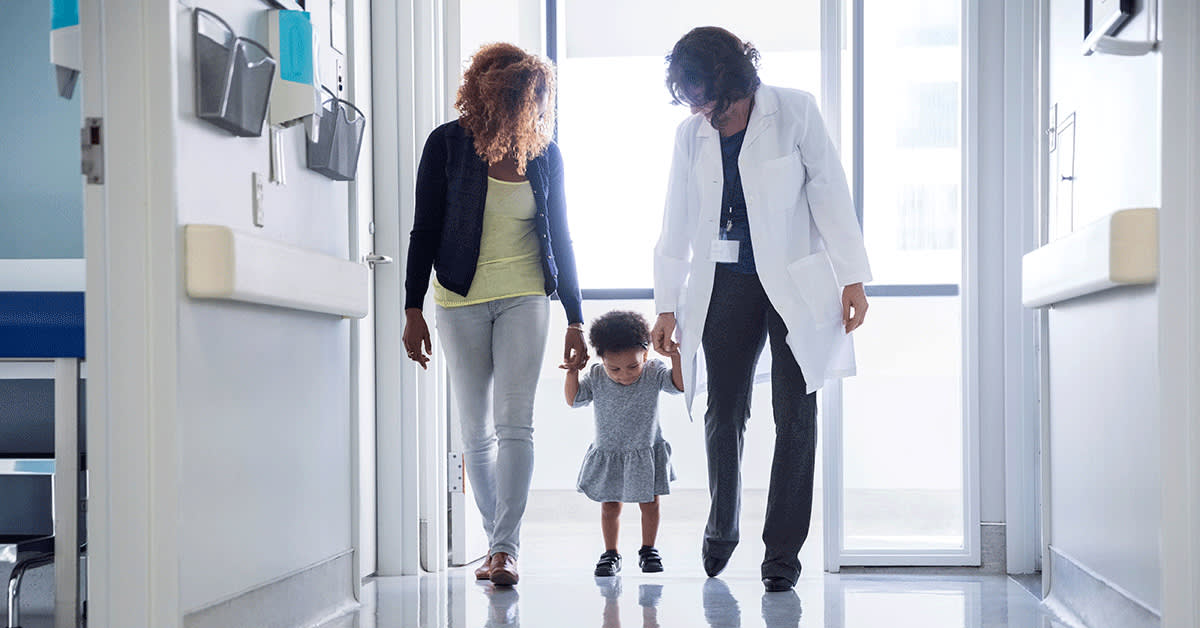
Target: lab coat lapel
[762, 115]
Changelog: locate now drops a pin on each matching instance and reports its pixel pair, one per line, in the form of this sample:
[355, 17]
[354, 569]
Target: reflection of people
[610, 590]
[781, 609]
[720, 607]
[491, 220]
[649, 596]
[763, 255]
[502, 607]
[629, 460]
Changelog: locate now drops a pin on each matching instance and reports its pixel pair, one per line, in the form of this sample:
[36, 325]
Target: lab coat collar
[766, 104]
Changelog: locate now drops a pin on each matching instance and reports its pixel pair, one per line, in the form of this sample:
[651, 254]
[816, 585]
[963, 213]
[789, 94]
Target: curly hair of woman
[500, 103]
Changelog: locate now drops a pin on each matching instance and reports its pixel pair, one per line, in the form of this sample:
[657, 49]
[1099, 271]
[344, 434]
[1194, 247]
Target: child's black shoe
[649, 559]
[609, 564]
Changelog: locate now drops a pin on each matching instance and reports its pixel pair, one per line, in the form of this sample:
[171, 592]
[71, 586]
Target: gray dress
[629, 460]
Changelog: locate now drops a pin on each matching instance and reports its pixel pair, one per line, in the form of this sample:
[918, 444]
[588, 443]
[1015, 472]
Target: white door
[362, 332]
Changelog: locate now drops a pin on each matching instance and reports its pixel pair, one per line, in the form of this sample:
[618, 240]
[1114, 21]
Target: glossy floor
[634, 600]
[557, 589]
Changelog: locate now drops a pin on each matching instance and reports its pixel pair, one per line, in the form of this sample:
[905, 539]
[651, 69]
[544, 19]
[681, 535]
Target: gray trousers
[497, 347]
[740, 319]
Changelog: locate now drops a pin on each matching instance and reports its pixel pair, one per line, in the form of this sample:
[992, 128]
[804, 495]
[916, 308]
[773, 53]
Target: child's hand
[572, 368]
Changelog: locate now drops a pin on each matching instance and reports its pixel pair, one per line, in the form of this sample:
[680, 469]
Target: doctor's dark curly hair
[710, 64]
[619, 331]
[498, 103]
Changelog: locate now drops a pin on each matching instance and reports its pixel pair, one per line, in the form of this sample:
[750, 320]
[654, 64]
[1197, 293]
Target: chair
[41, 449]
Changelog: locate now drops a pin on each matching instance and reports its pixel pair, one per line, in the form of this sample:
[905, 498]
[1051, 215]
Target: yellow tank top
[510, 258]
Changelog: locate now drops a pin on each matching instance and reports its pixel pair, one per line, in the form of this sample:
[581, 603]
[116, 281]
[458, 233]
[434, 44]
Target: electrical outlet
[340, 76]
[257, 196]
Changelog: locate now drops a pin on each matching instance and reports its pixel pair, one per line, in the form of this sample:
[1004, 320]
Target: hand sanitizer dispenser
[294, 92]
[66, 48]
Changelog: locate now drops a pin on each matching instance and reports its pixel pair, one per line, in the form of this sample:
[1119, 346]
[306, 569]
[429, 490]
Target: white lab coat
[807, 240]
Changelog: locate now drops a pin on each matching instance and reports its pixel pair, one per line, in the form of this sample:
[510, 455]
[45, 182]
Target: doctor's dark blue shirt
[735, 225]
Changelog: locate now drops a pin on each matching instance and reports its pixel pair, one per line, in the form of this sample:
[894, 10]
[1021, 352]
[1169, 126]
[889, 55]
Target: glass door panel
[905, 489]
[902, 428]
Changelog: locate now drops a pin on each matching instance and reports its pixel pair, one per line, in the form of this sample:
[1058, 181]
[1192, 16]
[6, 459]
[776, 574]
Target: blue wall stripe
[41, 325]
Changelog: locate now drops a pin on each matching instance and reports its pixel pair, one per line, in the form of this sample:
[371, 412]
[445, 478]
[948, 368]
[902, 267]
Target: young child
[629, 460]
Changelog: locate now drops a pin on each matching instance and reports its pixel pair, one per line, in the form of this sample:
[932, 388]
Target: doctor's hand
[854, 306]
[662, 334]
[416, 336]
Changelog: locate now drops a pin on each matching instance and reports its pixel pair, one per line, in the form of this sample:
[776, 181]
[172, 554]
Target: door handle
[373, 259]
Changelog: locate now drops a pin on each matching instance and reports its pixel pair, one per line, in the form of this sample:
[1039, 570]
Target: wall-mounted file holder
[334, 153]
[233, 77]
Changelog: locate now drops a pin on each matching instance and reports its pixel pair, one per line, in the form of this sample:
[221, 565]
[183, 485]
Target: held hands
[662, 336]
[575, 353]
[416, 337]
[854, 306]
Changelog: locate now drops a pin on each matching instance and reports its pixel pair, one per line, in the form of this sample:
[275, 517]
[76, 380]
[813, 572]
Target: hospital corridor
[600, 313]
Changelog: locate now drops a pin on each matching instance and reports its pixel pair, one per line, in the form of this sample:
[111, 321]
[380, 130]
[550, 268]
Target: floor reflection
[575, 600]
[648, 598]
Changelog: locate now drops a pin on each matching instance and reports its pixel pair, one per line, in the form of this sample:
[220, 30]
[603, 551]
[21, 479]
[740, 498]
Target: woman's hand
[854, 297]
[662, 334]
[416, 337]
[575, 353]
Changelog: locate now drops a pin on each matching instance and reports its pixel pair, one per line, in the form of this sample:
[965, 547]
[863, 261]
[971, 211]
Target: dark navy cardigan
[451, 189]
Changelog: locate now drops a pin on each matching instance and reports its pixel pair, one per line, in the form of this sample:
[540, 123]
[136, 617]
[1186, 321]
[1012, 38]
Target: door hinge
[454, 476]
[91, 147]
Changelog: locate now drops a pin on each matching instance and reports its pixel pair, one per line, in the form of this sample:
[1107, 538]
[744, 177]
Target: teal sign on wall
[295, 47]
[64, 13]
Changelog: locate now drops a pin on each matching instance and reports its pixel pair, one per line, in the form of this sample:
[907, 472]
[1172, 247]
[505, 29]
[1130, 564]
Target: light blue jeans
[499, 346]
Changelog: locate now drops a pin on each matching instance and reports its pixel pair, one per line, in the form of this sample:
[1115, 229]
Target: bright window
[617, 124]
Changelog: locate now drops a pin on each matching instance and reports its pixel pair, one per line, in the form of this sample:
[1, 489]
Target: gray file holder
[233, 77]
[335, 151]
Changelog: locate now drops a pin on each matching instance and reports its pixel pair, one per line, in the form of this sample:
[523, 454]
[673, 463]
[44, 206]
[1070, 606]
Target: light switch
[257, 202]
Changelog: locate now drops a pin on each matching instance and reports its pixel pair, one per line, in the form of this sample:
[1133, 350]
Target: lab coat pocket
[818, 288]
[784, 177]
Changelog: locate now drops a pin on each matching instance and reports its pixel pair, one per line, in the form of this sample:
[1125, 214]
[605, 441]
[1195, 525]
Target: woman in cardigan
[491, 222]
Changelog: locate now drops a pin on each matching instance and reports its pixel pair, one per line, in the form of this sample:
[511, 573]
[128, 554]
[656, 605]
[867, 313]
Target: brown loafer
[484, 570]
[504, 569]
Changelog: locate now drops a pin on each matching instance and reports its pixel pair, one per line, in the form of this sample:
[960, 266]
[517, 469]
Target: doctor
[760, 240]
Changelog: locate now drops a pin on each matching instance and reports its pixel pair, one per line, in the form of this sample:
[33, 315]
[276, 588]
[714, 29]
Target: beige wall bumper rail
[1120, 249]
[223, 263]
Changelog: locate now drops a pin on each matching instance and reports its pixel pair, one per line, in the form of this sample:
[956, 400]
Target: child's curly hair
[619, 330]
[498, 103]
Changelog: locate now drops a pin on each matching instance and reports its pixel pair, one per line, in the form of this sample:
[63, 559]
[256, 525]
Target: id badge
[724, 251]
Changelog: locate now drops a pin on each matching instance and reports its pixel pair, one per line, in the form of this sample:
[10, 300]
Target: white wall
[1104, 409]
[264, 397]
